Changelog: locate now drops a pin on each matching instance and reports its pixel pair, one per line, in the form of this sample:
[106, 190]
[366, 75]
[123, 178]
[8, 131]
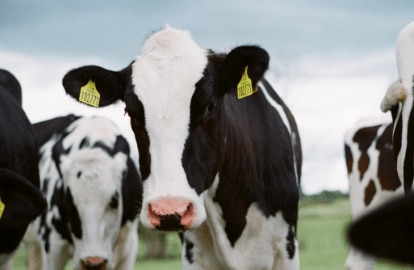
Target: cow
[372, 173]
[94, 193]
[20, 198]
[399, 100]
[219, 151]
[387, 231]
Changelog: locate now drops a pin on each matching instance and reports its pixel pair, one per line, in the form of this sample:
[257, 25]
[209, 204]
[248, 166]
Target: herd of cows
[219, 161]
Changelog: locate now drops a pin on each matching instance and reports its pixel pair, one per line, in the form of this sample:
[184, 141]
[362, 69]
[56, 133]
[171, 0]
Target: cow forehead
[165, 74]
[96, 166]
[104, 131]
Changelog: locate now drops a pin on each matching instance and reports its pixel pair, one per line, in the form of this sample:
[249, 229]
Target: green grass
[321, 234]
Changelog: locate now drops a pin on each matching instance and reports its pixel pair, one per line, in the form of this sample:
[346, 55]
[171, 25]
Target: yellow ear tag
[2, 207]
[89, 95]
[244, 87]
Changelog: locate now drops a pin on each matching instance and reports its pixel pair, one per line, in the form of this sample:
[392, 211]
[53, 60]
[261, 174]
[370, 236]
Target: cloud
[328, 94]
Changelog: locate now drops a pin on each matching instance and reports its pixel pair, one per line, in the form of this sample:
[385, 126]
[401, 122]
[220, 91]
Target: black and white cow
[219, 150]
[20, 198]
[399, 99]
[94, 193]
[387, 232]
[372, 173]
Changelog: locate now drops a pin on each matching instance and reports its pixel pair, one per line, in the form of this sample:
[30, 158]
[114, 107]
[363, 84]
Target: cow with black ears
[220, 153]
[94, 193]
[20, 199]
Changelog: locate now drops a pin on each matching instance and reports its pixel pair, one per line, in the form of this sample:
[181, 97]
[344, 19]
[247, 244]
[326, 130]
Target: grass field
[321, 233]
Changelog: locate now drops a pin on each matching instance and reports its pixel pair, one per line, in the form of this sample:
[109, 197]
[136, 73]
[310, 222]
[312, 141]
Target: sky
[331, 60]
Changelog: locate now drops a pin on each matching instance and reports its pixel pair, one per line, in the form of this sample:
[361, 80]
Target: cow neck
[252, 173]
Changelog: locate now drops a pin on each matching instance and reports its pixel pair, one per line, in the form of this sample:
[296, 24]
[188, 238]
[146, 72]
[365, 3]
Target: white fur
[101, 177]
[405, 56]
[395, 93]
[164, 77]
[405, 63]
[357, 260]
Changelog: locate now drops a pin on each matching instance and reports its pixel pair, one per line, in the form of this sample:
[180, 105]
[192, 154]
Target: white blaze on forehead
[164, 77]
[165, 74]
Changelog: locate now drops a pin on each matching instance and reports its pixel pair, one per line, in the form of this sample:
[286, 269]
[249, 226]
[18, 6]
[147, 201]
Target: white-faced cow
[20, 199]
[219, 150]
[387, 232]
[399, 99]
[94, 193]
[373, 178]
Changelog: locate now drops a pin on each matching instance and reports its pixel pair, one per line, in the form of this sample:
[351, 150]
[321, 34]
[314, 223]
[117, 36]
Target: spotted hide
[219, 150]
[94, 193]
[20, 198]
[372, 173]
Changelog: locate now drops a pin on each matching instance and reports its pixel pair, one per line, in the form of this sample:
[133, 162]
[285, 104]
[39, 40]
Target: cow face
[93, 184]
[176, 95]
[92, 167]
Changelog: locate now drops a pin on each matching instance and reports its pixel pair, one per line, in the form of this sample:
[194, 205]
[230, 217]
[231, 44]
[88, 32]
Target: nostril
[94, 263]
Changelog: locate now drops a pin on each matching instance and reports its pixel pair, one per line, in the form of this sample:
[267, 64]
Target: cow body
[20, 199]
[94, 193]
[372, 173]
[399, 99]
[219, 150]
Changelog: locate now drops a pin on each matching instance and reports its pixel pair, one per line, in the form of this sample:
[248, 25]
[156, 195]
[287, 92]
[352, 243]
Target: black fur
[19, 172]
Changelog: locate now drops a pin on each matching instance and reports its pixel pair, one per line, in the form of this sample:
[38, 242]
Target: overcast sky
[330, 60]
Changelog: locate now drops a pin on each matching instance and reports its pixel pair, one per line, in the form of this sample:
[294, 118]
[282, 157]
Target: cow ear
[20, 201]
[387, 231]
[110, 85]
[252, 59]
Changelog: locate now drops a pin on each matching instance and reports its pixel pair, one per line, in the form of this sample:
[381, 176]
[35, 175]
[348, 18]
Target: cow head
[177, 96]
[399, 99]
[92, 169]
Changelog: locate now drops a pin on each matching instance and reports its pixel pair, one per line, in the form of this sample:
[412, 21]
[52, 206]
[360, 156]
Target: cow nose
[171, 214]
[94, 263]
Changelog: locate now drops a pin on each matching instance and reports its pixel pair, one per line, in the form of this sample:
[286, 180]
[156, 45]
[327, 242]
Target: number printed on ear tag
[244, 87]
[2, 207]
[89, 95]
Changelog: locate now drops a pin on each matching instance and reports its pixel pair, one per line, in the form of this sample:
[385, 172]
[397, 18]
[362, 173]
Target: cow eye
[114, 201]
[211, 107]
